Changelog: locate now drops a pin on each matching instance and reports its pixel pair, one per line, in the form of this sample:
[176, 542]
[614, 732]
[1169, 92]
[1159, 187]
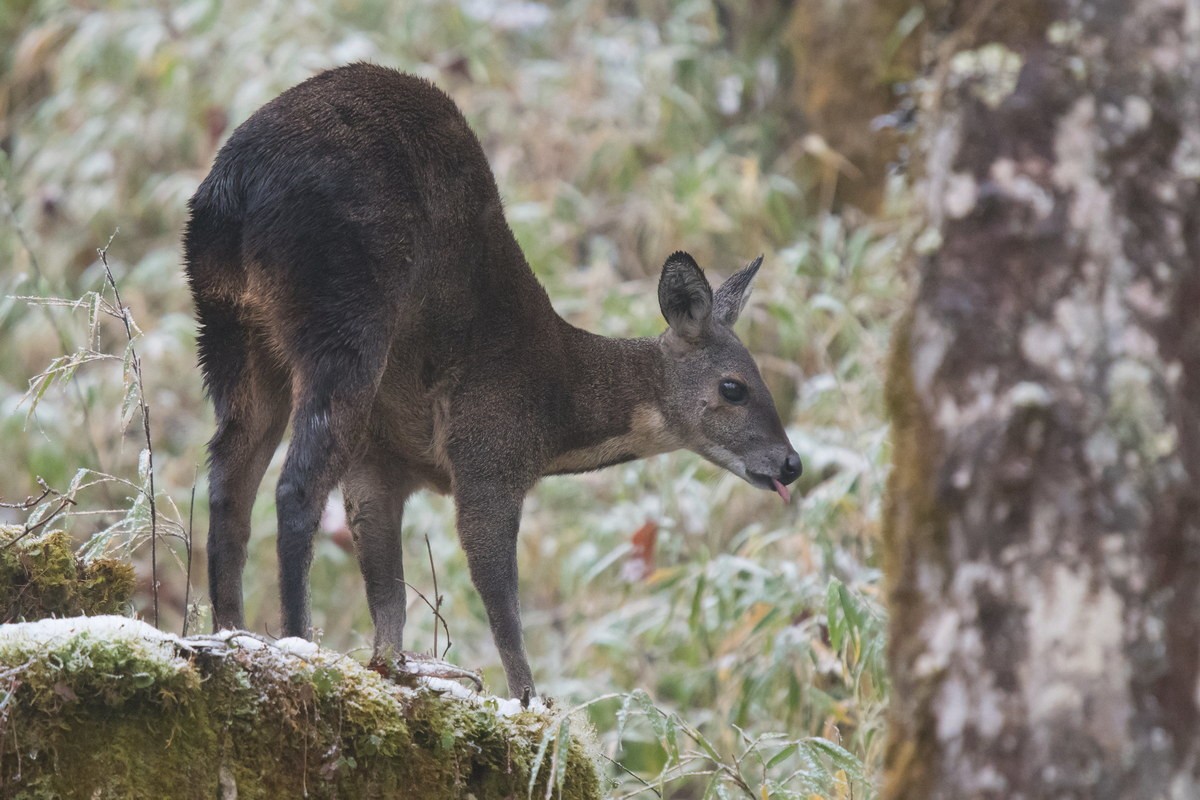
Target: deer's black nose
[791, 468]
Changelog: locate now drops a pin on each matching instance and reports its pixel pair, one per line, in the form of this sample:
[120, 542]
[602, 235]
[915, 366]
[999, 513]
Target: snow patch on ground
[109, 626]
[509, 707]
[50, 634]
[503, 706]
[296, 646]
[449, 687]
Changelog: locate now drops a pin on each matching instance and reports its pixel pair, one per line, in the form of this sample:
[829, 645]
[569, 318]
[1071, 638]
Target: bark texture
[848, 57]
[1043, 522]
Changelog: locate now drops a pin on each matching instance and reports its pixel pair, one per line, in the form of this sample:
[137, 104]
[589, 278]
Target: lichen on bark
[1042, 533]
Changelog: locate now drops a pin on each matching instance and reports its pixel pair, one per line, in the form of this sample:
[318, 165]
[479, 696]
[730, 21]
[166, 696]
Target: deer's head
[715, 400]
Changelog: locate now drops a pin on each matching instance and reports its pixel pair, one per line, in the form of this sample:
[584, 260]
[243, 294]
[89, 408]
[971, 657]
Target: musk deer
[353, 272]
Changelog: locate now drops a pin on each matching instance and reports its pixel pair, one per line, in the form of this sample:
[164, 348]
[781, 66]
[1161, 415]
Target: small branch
[13, 676]
[437, 611]
[136, 365]
[30, 502]
[17, 670]
[441, 669]
[646, 784]
[187, 586]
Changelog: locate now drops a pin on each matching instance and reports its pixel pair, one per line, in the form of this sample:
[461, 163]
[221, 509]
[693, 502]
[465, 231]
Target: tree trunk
[1042, 533]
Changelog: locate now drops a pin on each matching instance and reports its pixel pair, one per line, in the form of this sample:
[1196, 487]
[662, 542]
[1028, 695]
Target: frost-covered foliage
[109, 707]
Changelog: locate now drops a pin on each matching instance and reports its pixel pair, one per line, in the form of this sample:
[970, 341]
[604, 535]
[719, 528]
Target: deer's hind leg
[251, 399]
[329, 423]
[375, 493]
[335, 302]
[334, 381]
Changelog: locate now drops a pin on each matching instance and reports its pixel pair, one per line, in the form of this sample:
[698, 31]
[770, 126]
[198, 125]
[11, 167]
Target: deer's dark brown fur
[353, 274]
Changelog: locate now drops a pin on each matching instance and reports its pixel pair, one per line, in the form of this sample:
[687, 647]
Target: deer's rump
[350, 175]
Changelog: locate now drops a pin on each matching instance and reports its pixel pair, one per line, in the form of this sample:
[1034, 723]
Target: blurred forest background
[619, 130]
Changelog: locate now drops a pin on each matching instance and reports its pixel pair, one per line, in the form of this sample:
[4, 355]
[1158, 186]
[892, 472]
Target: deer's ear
[684, 296]
[731, 298]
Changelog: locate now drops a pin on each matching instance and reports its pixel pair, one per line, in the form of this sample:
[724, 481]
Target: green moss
[41, 576]
[114, 709]
[912, 522]
[915, 533]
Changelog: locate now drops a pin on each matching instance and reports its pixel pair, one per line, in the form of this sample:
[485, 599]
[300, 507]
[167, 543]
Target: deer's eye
[734, 392]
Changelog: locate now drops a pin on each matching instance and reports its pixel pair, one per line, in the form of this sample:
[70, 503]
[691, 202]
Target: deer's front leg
[488, 518]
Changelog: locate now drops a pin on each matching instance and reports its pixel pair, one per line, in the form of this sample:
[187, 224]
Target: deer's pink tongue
[782, 490]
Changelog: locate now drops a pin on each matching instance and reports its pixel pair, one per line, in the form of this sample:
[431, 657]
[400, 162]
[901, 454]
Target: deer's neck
[612, 404]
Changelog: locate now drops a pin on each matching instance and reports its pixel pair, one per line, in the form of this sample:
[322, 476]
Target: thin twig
[436, 668]
[631, 773]
[436, 597]
[700, 773]
[136, 365]
[30, 502]
[8, 673]
[437, 611]
[187, 586]
[6, 705]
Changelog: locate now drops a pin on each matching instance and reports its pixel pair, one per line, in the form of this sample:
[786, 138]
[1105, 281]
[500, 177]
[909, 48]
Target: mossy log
[109, 707]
